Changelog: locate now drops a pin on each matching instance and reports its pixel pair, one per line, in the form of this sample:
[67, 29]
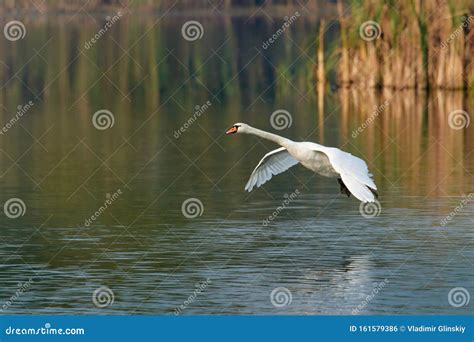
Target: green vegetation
[407, 44]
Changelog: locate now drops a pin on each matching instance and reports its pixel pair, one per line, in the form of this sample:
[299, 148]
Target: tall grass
[420, 44]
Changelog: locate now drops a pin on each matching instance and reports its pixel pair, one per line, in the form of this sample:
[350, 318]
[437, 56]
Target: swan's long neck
[269, 136]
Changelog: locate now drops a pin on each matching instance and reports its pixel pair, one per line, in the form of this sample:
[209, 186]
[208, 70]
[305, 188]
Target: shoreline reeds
[412, 44]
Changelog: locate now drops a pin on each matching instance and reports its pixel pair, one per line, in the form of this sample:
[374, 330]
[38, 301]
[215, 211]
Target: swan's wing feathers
[354, 173]
[352, 170]
[346, 163]
[358, 189]
[273, 163]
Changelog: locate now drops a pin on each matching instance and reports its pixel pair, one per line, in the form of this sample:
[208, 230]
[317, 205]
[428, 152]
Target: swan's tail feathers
[361, 191]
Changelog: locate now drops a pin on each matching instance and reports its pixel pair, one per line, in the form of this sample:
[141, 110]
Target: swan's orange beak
[231, 130]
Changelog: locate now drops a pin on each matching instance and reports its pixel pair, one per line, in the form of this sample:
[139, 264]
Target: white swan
[351, 172]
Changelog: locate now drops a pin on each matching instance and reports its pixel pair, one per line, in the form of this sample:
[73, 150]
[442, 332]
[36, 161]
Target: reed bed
[406, 44]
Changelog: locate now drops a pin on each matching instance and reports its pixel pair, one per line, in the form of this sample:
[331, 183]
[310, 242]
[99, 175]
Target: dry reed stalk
[343, 72]
[321, 80]
[321, 73]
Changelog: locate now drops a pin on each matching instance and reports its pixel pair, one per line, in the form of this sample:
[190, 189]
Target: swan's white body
[326, 161]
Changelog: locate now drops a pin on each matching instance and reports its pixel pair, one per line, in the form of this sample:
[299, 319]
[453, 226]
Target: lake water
[317, 255]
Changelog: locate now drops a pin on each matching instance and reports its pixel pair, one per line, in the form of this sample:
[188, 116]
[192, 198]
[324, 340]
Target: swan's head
[238, 128]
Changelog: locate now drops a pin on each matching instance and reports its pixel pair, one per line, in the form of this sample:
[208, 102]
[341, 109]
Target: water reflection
[145, 250]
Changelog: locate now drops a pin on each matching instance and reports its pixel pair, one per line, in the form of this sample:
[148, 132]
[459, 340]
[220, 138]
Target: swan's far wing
[358, 189]
[344, 162]
[354, 173]
[273, 163]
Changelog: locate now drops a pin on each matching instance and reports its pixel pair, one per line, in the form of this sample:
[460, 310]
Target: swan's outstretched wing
[353, 171]
[273, 163]
[358, 189]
